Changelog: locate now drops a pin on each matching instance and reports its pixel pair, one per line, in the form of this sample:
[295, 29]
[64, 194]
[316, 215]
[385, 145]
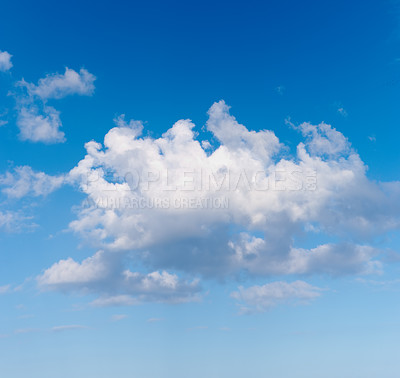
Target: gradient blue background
[159, 61]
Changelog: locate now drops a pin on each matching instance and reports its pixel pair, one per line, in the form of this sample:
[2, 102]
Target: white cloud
[56, 86]
[5, 289]
[324, 140]
[118, 317]
[25, 181]
[234, 136]
[68, 327]
[324, 189]
[3, 122]
[37, 126]
[257, 257]
[14, 221]
[69, 272]
[39, 122]
[135, 127]
[154, 320]
[382, 285]
[21, 182]
[5, 61]
[140, 192]
[104, 274]
[263, 298]
[115, 300]
[342, 112]
[206, 145]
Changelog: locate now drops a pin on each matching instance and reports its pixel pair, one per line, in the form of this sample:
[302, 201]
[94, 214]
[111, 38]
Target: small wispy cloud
[118, 317]
[154, 320]
[3, 121]
[380, 284]
[5, 61]
[13, 222]
[199, 328]
[342, 111]
[5, 289]
[262, 298]
[68, 327]
[280, 89]
[24, 181]
[25, 330]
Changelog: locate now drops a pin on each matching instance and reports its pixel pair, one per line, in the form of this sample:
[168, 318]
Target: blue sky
[285, 280]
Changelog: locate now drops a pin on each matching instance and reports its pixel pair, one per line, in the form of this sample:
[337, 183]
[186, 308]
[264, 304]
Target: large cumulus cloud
[231, 205]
